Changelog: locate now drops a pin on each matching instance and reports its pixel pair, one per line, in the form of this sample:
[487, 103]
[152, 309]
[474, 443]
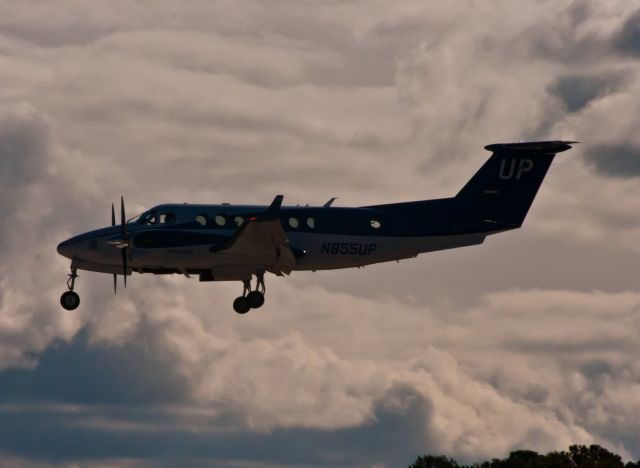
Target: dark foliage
[578, 456]
[431, 461]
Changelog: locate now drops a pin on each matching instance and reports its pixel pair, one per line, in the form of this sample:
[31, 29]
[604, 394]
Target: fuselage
[181, 238]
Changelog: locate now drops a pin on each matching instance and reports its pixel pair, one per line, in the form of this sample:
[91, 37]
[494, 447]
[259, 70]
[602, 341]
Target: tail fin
[502, 191]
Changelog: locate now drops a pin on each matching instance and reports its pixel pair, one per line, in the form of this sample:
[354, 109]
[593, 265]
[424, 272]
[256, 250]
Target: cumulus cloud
[24, 143]
[26, 323]
[525, 342]
[576, 91]
[628, 38]
[217, 379]
[621, 160]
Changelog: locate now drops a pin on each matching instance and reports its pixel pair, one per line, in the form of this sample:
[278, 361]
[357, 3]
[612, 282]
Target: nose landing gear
[251, 299]
[70, 299]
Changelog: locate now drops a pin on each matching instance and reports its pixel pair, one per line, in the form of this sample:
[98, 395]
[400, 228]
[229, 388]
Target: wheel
[69, 300]
[255, 299]
[241, 305]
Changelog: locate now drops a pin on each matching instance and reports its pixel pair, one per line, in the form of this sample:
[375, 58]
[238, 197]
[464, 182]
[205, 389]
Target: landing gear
[70, 299]
[241, 305]
[251, 299]
[255, 299]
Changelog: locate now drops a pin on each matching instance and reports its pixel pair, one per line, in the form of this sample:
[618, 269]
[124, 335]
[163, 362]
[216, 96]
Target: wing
[263, 241]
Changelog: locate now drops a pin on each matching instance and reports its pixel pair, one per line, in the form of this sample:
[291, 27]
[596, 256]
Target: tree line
[578, 456]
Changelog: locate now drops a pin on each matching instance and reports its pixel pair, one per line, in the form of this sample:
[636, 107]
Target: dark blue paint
[167, 238]
[496, 198]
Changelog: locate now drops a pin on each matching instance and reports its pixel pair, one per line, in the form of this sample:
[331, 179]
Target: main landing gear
[70, 299]
[251, 299]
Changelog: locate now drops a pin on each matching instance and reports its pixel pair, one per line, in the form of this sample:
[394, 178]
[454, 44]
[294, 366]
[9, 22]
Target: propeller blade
[124, 265]
[122, 218]
[113, 223]
[125, 238]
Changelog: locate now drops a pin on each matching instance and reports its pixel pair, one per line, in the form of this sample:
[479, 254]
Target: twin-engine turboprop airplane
[234, 243]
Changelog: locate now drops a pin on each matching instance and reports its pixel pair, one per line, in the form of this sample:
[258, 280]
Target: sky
[528, 341]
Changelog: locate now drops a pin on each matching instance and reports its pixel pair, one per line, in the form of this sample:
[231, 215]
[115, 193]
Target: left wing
[262, 239]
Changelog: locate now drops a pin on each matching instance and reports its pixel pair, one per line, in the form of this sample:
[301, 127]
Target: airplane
[237, 242]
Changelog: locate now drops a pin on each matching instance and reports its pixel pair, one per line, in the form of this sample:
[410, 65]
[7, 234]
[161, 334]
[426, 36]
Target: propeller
[125, 238]
[122, 243]
[113, 223]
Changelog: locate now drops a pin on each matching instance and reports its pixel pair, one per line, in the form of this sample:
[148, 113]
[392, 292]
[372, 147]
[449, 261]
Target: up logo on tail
[514, 167]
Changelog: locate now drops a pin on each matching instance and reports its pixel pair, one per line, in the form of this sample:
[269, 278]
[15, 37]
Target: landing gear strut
[70, 299]
[251, 299]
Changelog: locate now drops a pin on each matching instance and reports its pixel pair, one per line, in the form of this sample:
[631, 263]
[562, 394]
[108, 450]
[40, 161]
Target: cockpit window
[136, 218]
[148, 218]
[167, 218]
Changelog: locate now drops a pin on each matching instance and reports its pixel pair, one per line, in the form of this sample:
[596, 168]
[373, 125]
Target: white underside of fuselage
[319, 252]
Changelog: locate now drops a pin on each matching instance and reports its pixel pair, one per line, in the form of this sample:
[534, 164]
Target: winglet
[275, 205]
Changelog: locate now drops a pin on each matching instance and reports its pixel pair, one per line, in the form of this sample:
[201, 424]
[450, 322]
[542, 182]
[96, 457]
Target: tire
[255, 299]
[70, 300]
[241, 305]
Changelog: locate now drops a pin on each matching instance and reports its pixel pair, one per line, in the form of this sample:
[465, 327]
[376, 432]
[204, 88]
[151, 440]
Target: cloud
[27, 155]
[576, 91]
[615, 160]
[24, 143]
[526, 341]
[135, 373]
[627, 39]
[213, 381]
[156, 436]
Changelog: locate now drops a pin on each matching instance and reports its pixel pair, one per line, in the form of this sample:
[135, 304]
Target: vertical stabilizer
[502, 191]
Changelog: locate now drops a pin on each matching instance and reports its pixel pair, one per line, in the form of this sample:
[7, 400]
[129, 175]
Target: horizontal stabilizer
[556, 146]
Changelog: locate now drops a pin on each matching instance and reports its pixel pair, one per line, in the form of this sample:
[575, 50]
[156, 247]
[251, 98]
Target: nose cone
[65, 248]
[75, 246]
[90, 246]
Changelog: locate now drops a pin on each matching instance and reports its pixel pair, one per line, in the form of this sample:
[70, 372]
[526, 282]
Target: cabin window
[375, 224]
[201, 219]
[220, 220]
[293, 222]
[167, 218]
[239, 220]
[311, 223]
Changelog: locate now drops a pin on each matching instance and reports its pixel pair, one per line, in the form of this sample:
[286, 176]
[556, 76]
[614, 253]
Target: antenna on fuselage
[275, 205]
[330, 202]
